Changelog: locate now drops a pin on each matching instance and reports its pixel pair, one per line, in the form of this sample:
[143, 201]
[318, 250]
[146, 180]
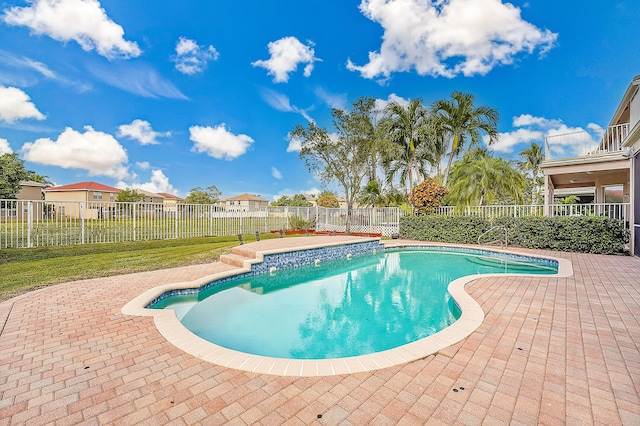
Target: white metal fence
[384, 221]
[59, 223]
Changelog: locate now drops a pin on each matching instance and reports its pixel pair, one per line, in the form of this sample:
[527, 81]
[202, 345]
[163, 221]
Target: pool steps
[235, 259]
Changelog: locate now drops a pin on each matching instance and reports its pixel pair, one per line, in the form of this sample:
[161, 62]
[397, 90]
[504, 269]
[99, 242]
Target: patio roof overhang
[572, 173]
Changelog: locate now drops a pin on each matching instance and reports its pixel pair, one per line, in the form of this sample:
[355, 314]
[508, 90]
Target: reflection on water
[339, 309]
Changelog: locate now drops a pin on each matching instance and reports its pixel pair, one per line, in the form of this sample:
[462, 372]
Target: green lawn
[22, 270]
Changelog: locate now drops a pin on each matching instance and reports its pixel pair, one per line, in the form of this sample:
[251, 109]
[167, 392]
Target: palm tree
[479, 178]
[406, 128]
[532, 159]
[458, 120]
[372, 195]
[400, 161]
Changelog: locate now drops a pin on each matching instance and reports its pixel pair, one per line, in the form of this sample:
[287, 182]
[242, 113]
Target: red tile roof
[84, 186]
[169, 196]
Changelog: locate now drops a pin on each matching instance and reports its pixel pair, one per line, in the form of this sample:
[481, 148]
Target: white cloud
[23, 71]
[23, 62]
[141, 131]
[137, 78]
[144, 165]
[84, 21]
[290, 192]
[158, 183]
[380, 104]
[286, 54]
[5, 148]
[191, 58]
[16, 105]
[338, 101]
[506, 141]
[218, 142]
[276, 173]
[97, 152]
[448, 37]
[282, 103]
[530, 120]
[563, 140]
[295, 144]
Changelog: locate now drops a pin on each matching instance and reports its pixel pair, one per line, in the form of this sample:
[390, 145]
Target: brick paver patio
[550, 351]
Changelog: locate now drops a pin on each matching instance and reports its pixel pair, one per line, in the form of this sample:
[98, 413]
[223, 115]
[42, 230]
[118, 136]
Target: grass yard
[23, 270]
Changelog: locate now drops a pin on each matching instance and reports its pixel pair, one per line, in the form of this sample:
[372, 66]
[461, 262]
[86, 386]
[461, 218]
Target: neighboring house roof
[32, 183]
[149, 194]
[170, 196]
[246, 197]
[83, 186]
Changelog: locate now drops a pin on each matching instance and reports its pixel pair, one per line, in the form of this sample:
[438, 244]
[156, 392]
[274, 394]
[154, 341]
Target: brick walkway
[550, 351]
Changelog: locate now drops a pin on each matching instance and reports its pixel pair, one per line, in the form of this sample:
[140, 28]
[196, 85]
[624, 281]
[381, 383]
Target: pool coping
[471, 318]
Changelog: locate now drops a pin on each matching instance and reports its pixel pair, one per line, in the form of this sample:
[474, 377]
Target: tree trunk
[454, 145]
[347, 225]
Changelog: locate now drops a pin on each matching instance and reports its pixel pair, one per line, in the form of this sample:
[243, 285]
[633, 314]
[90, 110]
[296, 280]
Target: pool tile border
[471, 318]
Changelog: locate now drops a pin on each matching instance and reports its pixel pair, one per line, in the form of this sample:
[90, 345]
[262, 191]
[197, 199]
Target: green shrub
[297, 223]
[586, 234]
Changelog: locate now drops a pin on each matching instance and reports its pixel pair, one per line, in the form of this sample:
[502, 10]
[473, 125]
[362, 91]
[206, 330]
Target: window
[112, 196]
[613, 194]
[97, 195]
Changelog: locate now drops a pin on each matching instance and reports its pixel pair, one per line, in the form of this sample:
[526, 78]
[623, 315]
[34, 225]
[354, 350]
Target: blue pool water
[338, 309]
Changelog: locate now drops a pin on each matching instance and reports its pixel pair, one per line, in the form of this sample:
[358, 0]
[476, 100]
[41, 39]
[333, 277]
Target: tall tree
[459, 120]
[371, 134]
[342, 157]
[298, 200]
[129, 196]
[407, 127]
[12, 171]
[479, 179]
[328, 199]
[400, 162]
[209, 195]
[532, 158]
[36, 177]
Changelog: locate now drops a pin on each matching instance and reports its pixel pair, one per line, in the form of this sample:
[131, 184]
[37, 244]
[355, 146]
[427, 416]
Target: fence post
[29, 223]
[134, 221]
[82, 207]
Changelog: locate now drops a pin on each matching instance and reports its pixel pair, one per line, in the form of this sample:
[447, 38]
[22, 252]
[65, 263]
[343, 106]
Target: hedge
[586, 234]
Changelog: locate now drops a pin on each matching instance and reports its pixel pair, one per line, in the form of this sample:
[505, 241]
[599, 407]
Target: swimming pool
[285, 253]
[344, 308]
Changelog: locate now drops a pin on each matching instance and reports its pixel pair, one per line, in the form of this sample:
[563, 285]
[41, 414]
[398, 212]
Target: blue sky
[167, 96]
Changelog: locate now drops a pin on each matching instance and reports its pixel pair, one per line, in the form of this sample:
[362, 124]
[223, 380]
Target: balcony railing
[586, 143]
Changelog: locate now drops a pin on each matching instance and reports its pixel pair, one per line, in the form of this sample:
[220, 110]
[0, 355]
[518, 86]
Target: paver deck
[550, 351]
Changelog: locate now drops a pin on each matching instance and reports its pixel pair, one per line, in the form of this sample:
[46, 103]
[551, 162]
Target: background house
[610, 172]
[244, 202]
[30, 190]
[19, 208]
[171, 201]
[92, 193]
[150, 197]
